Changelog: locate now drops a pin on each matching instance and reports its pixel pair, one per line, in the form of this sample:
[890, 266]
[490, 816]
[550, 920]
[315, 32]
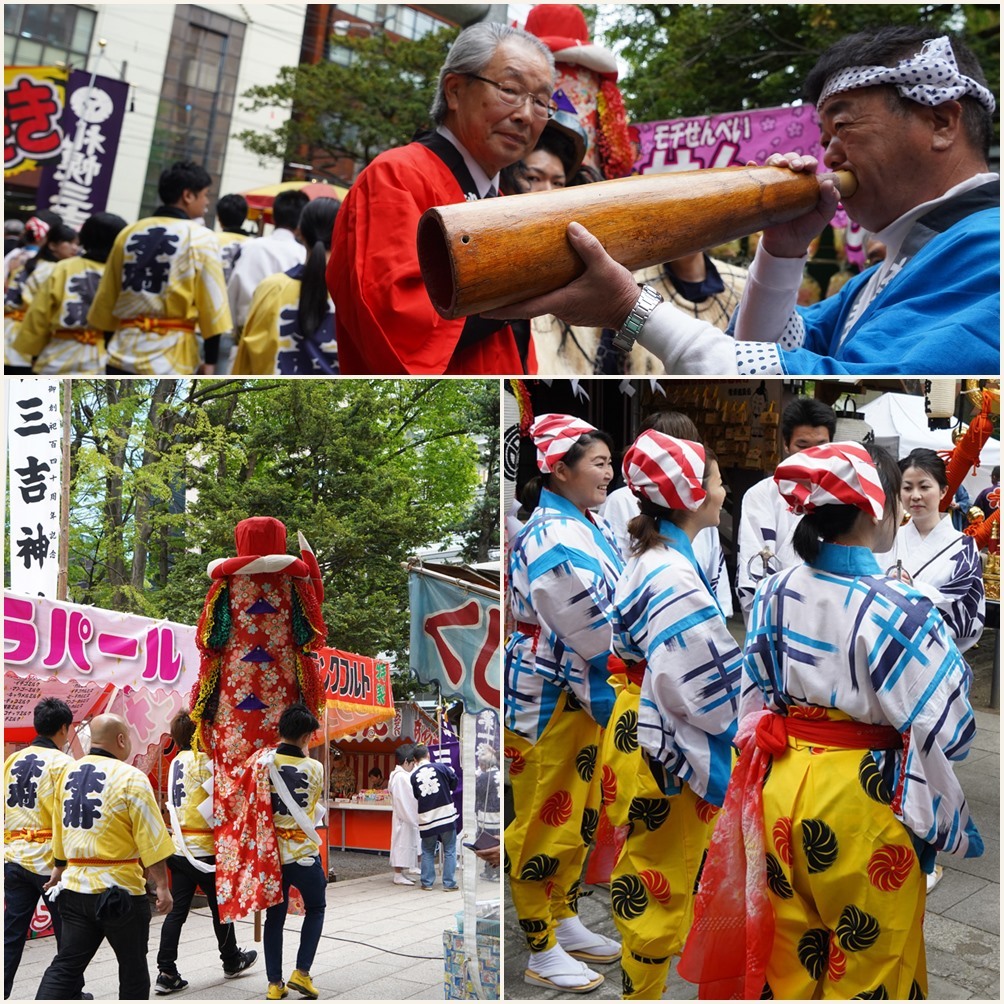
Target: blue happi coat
[668, 615]
[562, 570]
[837, 633]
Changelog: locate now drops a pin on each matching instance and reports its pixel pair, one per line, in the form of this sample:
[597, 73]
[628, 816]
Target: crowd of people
[777, 797]
[340, 290]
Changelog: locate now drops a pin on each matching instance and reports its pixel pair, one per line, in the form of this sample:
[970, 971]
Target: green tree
[370, 471]
[703, 59]
[355, 111]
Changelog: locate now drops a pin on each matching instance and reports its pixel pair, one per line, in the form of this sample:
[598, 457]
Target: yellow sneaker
[276, 992]
[302, 984]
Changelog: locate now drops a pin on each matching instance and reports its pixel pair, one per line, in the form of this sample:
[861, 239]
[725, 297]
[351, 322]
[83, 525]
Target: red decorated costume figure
[262, 617]
[586, 86]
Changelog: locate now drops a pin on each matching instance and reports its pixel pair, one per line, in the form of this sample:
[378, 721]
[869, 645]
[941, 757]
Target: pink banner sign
[48, 639]
[725, 140]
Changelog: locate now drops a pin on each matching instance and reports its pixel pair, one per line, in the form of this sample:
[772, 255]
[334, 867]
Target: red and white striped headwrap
[666, 471]
[554, 436]
[37, 228]
[831, 474]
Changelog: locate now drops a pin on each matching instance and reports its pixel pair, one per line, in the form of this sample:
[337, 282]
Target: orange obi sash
[32, 836]
[290, 834]
[86, 336]
[158, 324]
[14, 313]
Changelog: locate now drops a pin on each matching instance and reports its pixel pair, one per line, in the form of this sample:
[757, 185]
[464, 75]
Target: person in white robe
[404, 841]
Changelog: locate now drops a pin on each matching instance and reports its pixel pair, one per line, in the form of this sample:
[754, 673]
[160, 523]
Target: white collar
[894, 234]
[283, 234]
[481, 180]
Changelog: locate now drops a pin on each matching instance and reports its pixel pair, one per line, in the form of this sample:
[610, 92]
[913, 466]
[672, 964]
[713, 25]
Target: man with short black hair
[264, 256]
[766, 527]
[107, 831]
[231, 211]
[434, 785]
[31, 780]
[297, 784]
[163, 282]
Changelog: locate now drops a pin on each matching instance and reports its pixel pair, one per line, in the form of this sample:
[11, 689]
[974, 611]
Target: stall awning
[357, 691]
[260, 200]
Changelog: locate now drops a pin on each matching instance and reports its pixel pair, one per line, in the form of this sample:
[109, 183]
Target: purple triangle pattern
[257, 654]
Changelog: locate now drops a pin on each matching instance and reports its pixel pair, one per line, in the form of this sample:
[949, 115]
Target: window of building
[36, 34]
[197, 95]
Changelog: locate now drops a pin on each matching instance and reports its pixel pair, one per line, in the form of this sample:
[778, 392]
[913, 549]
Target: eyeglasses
[510, 93]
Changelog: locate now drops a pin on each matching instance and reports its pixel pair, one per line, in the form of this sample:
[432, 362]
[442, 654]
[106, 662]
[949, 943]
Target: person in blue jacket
[911, 118]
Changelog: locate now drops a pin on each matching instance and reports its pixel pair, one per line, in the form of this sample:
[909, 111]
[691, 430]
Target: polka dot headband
[832, 474]
[666, 471]
[929, 78]
[554, 436]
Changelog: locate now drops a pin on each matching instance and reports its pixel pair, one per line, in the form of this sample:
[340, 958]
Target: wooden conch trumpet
[479, 256]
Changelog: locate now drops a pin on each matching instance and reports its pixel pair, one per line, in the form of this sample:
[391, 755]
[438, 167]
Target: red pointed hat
[261, 547]
[562, 28]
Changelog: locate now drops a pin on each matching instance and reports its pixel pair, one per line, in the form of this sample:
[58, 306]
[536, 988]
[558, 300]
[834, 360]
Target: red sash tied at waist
[102, 861]
[634, 671]
[773, 731]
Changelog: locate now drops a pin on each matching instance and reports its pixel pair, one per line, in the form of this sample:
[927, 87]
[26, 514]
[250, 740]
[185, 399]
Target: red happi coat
[255, 636]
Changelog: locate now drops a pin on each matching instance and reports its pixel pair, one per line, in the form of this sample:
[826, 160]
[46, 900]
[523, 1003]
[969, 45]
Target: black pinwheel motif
[767, 770]
[626, 732]
[574, 892]
[653, 812]
[538, 868]
[506, 863]
[776, 879]
[878, 994]
[585, 762]
[872, 780]
[767, 994]
[627, 984]
[571, 703]
[814, 951]
[916, 994]
[819, 843]
[856, 930]
[536, 934]
[590, 821]
[628, 898]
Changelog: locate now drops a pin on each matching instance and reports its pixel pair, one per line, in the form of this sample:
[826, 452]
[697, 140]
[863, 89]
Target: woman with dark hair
[290, 328]
[54, 332]
[930, 553]
[855, 703]
[667, 751]
[59, 242]
[563, 566]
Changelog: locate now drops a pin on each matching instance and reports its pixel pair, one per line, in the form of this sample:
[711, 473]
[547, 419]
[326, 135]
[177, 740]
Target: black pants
[83, 933]
[184, 880]
[21, 890]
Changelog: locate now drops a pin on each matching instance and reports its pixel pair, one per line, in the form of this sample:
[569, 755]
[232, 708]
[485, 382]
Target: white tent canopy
[902, 415]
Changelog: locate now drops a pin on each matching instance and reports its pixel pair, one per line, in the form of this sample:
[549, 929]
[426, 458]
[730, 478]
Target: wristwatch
[635, 321]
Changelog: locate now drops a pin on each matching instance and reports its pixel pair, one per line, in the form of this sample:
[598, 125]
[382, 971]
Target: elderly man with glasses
[492, 102]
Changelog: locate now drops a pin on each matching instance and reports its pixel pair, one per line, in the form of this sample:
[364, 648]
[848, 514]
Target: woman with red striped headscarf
[855, 703]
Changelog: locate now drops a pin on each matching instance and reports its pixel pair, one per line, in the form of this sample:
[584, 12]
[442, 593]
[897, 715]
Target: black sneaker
[246, 961]
[169, 984]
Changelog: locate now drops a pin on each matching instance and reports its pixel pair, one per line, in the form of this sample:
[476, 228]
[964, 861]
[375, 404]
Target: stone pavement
[961, 927]
[381, 942]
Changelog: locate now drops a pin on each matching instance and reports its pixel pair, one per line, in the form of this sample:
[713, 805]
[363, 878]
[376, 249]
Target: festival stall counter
[359, 817]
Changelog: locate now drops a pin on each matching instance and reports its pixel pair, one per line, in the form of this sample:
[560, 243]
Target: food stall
[360, 816]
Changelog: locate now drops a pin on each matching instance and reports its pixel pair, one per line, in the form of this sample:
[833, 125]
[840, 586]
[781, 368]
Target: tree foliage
[370, 471]
[356, 111]
[704, 59]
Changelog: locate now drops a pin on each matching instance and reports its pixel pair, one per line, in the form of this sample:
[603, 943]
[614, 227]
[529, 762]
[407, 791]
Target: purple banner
[725, 140]
[76, 186]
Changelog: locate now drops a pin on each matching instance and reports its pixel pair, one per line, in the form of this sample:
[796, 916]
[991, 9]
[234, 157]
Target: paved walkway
[381, 942]
[961, 927]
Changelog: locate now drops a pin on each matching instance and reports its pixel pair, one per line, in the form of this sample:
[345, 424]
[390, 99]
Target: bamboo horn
[478, 256]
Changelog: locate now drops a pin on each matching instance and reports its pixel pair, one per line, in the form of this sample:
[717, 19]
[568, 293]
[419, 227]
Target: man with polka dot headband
[912, 118]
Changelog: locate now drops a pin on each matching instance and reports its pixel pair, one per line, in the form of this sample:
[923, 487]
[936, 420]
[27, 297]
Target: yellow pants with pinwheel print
[555, 788]
[654, 880]
[845, 883]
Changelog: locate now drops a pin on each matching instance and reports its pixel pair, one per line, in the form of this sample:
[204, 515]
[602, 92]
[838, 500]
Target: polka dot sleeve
[758, 359]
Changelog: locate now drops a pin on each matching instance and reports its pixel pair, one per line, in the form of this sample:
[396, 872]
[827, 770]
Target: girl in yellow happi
[667, 752]
[54, 332]
[562, 569]
[855, 702]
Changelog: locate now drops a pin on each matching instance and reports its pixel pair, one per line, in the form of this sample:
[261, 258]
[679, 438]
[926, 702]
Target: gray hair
[473, 51]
